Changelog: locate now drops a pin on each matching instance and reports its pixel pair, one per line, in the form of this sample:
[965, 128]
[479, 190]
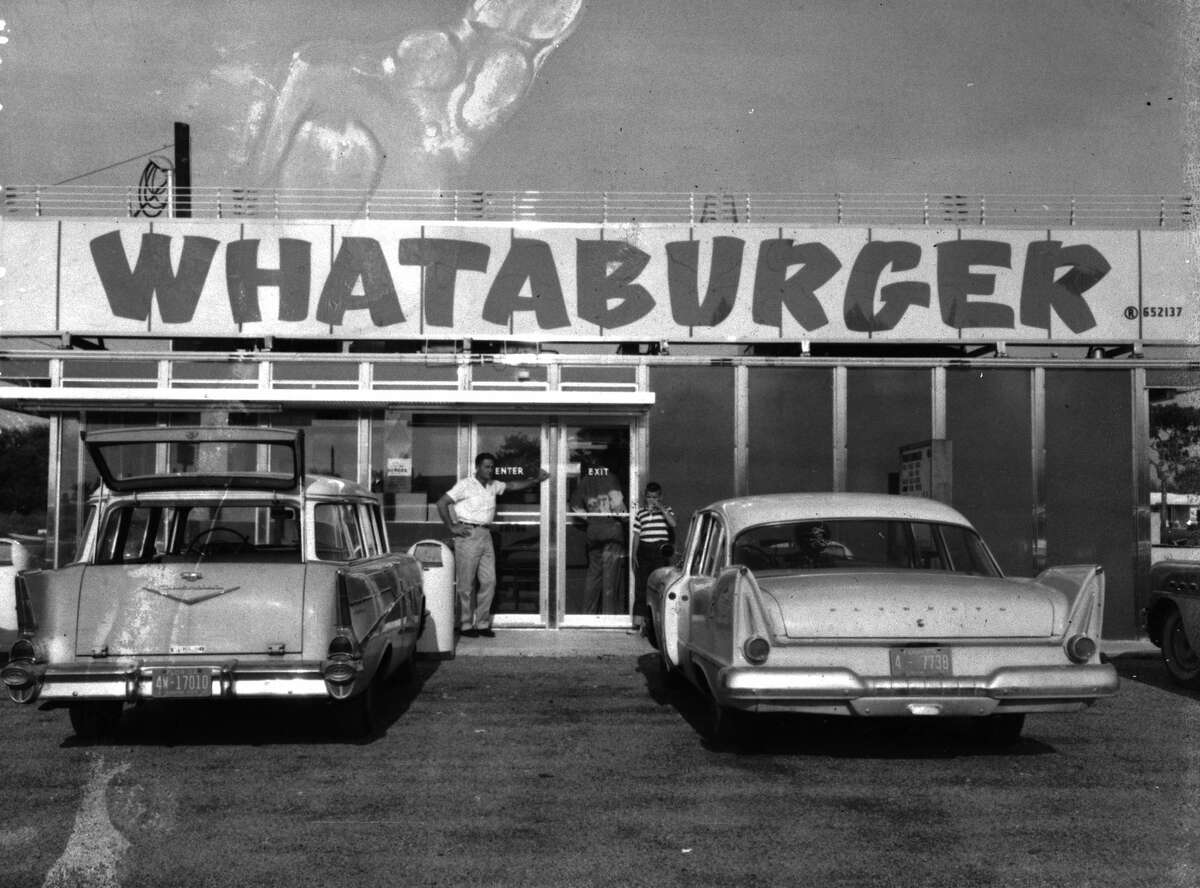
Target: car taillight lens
[342, 664]
[1080, 648]
[756, 649]
[341, 670]
[19, 675]
[343, 600]
[26, 622]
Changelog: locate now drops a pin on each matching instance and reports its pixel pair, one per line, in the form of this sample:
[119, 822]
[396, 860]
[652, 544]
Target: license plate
[182, 683]
[920, 662]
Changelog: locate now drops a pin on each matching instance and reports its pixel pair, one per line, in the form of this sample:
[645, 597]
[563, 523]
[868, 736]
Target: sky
[867, 96]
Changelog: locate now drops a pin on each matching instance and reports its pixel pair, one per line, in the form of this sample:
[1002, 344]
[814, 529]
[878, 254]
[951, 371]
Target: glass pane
[861, 545]
[224, 459]
[330, 442]
[1089, 481]
[1175, 473]
[24, 476]
[516, 533]
[988, 421]
[886, 409]
[691, 436]
[597, 531]
[791, 429]
[414, 460]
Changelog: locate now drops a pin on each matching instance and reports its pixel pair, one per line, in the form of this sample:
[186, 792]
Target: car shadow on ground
[1148, 669]
[254, 722]
[835, 736]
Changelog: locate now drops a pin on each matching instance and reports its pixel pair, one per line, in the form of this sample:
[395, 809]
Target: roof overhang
[536, 400]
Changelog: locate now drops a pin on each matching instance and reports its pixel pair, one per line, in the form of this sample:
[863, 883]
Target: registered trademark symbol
[1131, 313]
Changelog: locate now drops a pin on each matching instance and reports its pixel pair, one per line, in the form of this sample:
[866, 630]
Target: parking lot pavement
[623, 642]
[555, 643]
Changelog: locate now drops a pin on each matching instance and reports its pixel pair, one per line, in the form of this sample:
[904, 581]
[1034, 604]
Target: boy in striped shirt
[653, 525]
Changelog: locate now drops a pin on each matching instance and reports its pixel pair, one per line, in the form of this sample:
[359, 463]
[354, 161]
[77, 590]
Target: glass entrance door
[594, 576]
[518, 531]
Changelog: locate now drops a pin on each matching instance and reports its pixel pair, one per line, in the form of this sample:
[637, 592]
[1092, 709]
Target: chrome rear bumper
[27, 682]
[841, 691]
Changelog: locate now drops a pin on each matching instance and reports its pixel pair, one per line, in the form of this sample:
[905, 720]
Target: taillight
[756, 649]
[343, 600]
[19, 675]
[23, 649]
[1080, 648]
[342, 665]
[26, 621]
[341, 645]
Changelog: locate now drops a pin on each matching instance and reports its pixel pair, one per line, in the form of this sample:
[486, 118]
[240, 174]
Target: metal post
[840, 434]
[1142, 516]
[741, 430]
[1037, 448]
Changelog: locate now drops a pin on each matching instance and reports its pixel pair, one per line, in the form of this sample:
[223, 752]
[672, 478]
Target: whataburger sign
[708, 283]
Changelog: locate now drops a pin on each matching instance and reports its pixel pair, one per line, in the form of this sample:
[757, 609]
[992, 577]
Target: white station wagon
[212, 568]
[872, 605]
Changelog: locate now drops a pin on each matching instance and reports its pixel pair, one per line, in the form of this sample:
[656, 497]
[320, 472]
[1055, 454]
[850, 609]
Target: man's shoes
[486, 633]
[470, 633]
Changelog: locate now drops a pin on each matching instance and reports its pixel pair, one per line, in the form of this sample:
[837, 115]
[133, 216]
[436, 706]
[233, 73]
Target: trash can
[8, 594]
[437, 574]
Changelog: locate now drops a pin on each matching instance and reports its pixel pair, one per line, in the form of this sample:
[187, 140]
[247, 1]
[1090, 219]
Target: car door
[698, 557]
[711, 559]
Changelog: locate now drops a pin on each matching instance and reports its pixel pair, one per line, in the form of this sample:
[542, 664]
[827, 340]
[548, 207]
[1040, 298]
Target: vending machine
[926, 469]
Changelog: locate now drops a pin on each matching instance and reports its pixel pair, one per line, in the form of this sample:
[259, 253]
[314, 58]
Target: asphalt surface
[564, 759]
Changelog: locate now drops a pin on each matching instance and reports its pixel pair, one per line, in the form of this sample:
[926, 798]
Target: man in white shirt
[468, 510]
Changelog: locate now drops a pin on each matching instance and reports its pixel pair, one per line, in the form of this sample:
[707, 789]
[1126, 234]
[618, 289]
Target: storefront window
[1089, 481]
[330, 442]
[24, 447]
[1175, 471]
[791, 430]
[988, 425]
[691, 436]
[414, 460]
[886, 410]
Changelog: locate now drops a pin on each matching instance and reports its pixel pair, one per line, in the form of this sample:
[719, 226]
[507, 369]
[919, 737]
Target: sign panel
[706, 283]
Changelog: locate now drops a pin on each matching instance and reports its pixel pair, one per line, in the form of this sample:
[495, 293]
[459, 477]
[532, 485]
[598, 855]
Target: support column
[1037, 444]
[840, 400]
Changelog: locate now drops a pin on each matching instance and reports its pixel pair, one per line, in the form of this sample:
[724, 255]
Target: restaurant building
[1031, 362]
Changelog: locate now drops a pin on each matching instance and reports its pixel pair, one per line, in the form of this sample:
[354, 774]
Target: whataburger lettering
[789, 275]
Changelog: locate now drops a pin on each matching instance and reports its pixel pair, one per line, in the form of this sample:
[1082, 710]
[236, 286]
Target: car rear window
[139, 533]
[159, 464]
[863, 544]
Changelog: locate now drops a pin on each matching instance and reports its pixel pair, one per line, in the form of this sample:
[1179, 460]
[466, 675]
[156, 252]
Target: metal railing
[625, 208]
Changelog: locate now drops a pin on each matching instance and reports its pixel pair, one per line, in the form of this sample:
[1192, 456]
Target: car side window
[337, 533]
[129, 535]
[967, 552]
[372, 545]
[696, 543]
[930, 555]
[329, 533]
[715, 559]
[708, 556]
